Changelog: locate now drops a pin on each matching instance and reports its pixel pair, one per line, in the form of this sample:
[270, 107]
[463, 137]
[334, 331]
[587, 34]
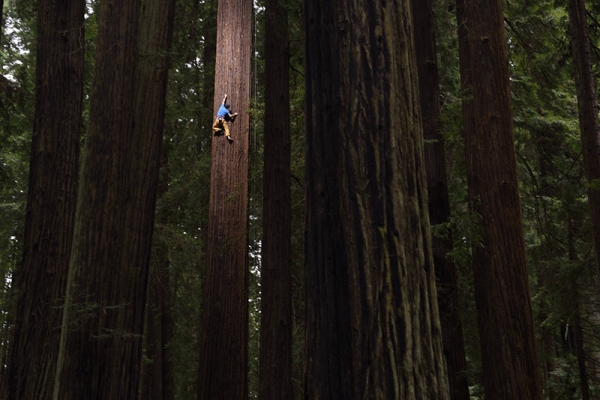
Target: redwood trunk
[41, 281]
[275, 376]
[101, 340]
[223, 351]
[209, 50]
[587, 104]
[501, 282]
[158, 379]
[372, 311]
[155, 42]
[583, 375]
[439, 203]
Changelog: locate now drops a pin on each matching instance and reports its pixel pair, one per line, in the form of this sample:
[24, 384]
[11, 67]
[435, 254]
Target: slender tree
[584, 379]
[501, 280]
[157, 378]
[439, 203]
[576, 330]
[549, 145]
[1, 22]
[209, 50]
[223, 352]
[156, 33]
[100, 353]
[587, 104]
[372, 311]
[275, 376]
[41, 281]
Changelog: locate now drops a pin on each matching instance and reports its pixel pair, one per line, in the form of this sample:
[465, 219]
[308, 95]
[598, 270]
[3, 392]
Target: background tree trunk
[223, 351]
[153, 64]
[583, 375]
[588, 112]
[549, 146]
[439, 203]
[101, 349]
[275, 375]
[208, 79]
[371, 299]
[157, 378]
[2, 22]
[576, 342]
[41, 282]
[501, 283]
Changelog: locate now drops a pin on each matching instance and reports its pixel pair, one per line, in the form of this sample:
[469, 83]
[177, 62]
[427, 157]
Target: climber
[223, 116]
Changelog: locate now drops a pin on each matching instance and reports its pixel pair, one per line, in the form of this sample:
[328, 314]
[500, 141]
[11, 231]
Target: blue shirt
[223, 111]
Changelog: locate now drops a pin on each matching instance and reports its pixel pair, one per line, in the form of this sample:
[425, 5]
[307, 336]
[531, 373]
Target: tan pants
[219, 125]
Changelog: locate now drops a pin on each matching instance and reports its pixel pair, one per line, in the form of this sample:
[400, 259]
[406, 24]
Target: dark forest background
[552, 186]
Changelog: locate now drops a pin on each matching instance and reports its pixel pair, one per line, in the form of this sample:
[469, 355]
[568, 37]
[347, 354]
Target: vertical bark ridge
[373, 324]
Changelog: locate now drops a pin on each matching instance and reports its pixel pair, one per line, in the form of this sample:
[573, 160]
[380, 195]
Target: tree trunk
[549, 146]
[275, 375]
[41, 282]
[209, 50]
[155, 42]
[501, 283]
[466, 77]
[588, 112]
[2, 23]
[583, 376]
[439, 203]
[577, 339]
[223, 351]
[157, 379]
[101, 349]
[371, 300]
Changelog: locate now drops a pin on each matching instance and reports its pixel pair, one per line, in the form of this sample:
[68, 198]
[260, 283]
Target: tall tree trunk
[372, 310]
[2, 23]
[501, 283]
[223, 351]
[41, 282]
[588, 112]
[548, 145]
[101, 349]
[439, 203]
[209, 50]
[275, 375]
[153, 64]
[583, 376]
[576, 342]
[466, 77]
[157, 379]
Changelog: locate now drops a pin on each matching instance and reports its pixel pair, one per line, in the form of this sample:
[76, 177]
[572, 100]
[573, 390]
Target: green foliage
[16, 118]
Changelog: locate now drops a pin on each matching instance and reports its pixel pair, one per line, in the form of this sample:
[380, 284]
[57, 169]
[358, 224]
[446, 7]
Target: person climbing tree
[223, 116]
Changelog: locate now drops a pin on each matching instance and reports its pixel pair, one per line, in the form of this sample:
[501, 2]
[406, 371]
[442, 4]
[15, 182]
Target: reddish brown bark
[223, 351]
[501, 278]
[587, 104]
[155, 42]
[102, 329]
[41, 281]
[275, 376]
[157, 379]
[371, 300]
[439, 203]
